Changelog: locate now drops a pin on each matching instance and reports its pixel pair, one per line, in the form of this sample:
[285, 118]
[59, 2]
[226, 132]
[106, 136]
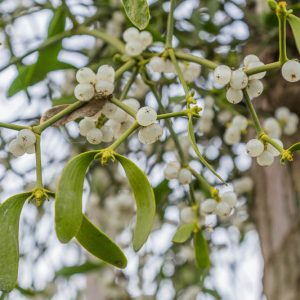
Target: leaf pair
[10, 212]
[70, 222]
[183, 233]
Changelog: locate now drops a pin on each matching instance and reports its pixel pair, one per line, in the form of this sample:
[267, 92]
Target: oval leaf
[201, 250]
[295, 25]
[145, 201]
[99, 244]
[138, 12]
[295, 147]
[183, 233]
[68, 200]
[10, 212]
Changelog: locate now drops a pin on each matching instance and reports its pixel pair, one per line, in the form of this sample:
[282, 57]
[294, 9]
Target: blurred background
[255, 251]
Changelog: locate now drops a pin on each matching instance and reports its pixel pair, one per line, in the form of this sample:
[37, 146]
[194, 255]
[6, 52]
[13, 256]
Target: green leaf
[84, 268]
[295, 25]
[295, 147]
[201, 250]
[145, 201]
[10, 212]
[64, 100]
[138, 12]
[183, 232]
[68, 200]
[99, 244]
[47, 58]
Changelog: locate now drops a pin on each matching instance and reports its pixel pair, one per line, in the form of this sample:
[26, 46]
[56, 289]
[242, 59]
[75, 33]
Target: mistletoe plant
[110, 119]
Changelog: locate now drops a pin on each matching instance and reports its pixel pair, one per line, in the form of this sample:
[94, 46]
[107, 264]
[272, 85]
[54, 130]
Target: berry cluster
[221, 207]
[136, 42]
[173, 170]
[150, 131]
[238, 80]
[264, 153]
[91, 84]
[190, 70]
[235, 129]
[23, 143]
[118, 121]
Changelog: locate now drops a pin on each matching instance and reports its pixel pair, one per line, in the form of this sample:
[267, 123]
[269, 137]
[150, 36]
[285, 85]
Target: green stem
[201, 180]
[129, 84]
[38, 161]
[267, 67]
[196, 59]
[179, 72]
[253, 114]
[183, 113]
[125, 67]
[269, 140]
[123, 106]
[170, 25]
[124, 136]
[13, 126]
[40, 128]
[103, 36]
[281, 16]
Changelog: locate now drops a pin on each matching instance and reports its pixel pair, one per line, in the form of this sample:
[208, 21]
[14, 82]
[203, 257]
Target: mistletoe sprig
[111, 120]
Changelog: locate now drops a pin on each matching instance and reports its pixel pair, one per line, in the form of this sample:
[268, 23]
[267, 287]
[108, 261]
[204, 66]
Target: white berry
[272, 149]
[85, 125]
[150, 134]
[250, 59]
[134, 48]
[146, 38]
[255, 88]
[240, 122]
[26, 138]
[131, 34]
[187, 215]
[172, 170]
[234, 96]
[265, 159]
[104, 87]
[208, 206]
[106, 73]
[230, 198]
[232, 136]
[223, 209]
[109, 109]
[272, 127]
[146, 116]
[256, 64]
[222, 75]
[85, 75]
[239, 79]
[84, 91]
[185, 176]
[291, 71]
[254, 147]
[94, 136]
[15, 148]
[157, 64]
[107, 134]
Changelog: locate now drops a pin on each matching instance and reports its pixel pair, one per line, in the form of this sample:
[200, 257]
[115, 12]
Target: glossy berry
[185, 176]
[15, 148]
[291, 71]
[265, 159]
[146, 116]
[222, 75]
[172, 170]
[238, 80]
[130, 34]
[106, 73]
[187, 215]
[104, 87]
[84, 91]
[232, 136]
[150, 134]
[255, 88]
[230, 198]
[234, 96]
[223, 209]
[208, 206]
[94, 136]
[86, 75]
[26, 138]
[157, 64]
[254, 147]
[240, 122]
[85, 125]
